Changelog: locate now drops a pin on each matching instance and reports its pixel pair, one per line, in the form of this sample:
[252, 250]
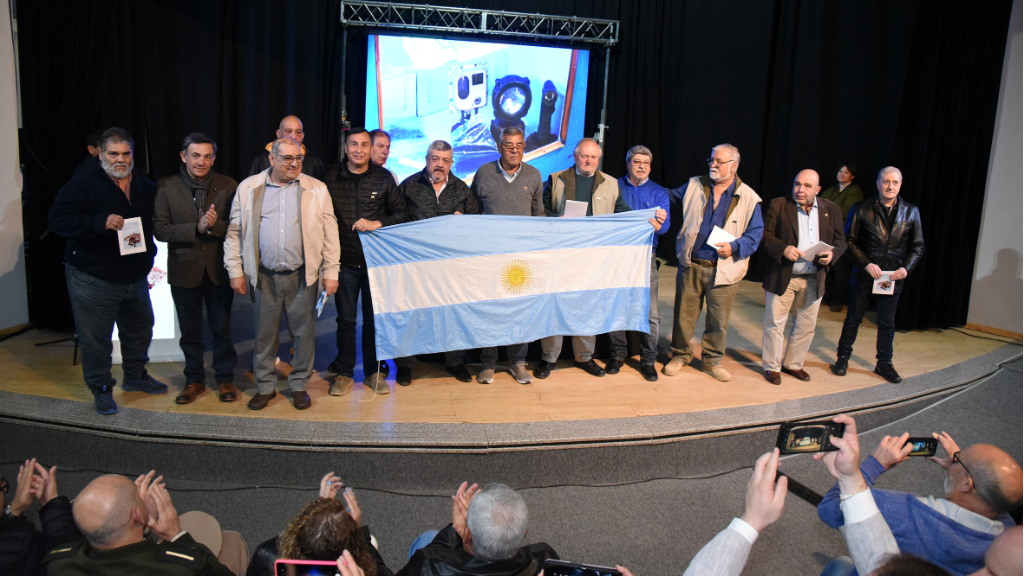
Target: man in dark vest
[290, 127]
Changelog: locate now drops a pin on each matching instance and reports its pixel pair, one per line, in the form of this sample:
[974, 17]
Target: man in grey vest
[510, 187]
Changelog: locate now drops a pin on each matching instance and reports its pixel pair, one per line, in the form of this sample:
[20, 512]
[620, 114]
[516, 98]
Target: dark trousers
[188, 303]
[351, 283]
[837, 280]
[886, 308]
[617, 347]
[98, 305]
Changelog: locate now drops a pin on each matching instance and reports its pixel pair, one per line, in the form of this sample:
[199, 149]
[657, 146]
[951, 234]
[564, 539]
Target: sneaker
[146, 384]
[520, 373]
[377, 383]
[486, 376]
[674, 366]
[340, 385]
[888, 371]
[104, 396]
[717, 372]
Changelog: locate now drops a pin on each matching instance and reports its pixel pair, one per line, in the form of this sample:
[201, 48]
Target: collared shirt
[647, 195]
[807, 230]
[642, 182]
[510, 177]
[280, 227]
[713, 217]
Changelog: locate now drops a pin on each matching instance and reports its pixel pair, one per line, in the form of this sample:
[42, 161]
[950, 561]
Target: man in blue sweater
[982, 483]
[637, 189]
[106, 286]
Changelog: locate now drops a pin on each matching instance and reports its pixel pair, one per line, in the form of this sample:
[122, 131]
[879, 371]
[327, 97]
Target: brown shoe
[798, 374]
[226, 392]
[260, 401]
[772, 377]
[301, 400]
[189, 393]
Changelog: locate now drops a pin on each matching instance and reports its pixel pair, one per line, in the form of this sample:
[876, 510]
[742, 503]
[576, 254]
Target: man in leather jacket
[885, 235]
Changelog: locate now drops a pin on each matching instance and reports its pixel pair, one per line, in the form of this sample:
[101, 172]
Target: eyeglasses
[4, 487]
[640, 163]
[956, 458]
[717, 162]
[513, 147]
[290, 159]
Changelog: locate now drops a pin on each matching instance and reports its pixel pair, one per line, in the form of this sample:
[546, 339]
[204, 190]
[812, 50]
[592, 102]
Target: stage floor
[569, 394]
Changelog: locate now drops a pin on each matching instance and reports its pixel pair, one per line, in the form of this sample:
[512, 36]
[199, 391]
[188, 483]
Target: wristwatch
[8, 514]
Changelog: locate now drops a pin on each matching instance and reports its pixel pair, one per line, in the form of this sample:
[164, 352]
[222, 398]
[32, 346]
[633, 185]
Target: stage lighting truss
[446, 19]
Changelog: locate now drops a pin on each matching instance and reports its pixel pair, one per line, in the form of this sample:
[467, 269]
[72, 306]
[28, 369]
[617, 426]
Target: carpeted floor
[654, 527]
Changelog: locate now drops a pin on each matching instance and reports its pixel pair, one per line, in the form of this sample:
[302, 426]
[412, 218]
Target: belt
[704, 263]
[265, 270]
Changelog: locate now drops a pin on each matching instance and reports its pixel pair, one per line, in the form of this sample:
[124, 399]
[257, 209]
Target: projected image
[425, 89]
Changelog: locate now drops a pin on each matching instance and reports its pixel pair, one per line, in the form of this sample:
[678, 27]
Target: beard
[117, 170]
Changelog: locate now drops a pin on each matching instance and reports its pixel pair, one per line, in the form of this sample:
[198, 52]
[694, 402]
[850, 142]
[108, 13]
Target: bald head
[996, 476]
[109, 512]
[291, 127]
[806, 187]
[1004, 556]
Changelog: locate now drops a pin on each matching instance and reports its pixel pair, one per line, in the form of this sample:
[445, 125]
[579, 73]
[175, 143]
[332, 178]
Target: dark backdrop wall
[793, 84]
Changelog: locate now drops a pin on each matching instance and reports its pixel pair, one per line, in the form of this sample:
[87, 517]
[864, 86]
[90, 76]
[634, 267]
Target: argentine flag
[468, 281]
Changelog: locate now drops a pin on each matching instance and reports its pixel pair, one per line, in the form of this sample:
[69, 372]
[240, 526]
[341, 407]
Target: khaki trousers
[801, 294]
[694, 285]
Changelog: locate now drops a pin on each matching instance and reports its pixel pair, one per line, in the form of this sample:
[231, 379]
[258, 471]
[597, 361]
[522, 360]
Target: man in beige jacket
[282, 241]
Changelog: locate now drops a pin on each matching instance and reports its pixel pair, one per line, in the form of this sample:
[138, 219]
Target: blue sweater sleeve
[663, 203]
[747, 244]
[829, 511]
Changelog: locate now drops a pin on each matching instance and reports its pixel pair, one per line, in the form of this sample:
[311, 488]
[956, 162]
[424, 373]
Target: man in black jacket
[105, 286]
[435, 191]
[191, 215]
[365, 198]
[885, 236]
[290, 127]
[22, 546]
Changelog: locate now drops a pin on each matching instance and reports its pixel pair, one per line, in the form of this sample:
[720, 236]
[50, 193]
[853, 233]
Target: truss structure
[444, 19]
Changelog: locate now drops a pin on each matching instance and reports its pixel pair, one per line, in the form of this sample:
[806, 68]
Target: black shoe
[612, 366]
[460, 373]
[543, 369]
[591, 367]
[888, 371]
[839, 368]
[649, 372]
[333, 368]
[836, 307]
[385, 368]
[404, 377]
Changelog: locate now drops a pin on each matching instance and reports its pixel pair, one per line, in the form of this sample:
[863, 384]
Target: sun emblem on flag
[516, 276]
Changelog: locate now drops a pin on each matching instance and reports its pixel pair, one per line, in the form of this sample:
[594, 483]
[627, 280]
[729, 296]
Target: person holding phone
[793, 224]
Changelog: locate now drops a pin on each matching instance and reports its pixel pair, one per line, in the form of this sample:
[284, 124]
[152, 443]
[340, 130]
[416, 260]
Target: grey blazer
[175, 221]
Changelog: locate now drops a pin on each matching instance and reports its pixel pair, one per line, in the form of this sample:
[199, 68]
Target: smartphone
[306, 568]
[922, 446]
[560, 568]
[806, 437]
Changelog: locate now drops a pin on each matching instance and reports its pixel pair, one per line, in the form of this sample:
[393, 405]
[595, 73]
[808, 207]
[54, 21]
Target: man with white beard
[106, 287]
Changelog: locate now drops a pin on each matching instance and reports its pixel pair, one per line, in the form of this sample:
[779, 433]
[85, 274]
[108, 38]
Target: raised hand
[23, 492]
[353, 506]
[460, 506]
[330, 485]
[892, 450]
[208, 220]
[948, 446]
[766, 497]
[347, 565]
[145, 483]
[844, 464]
[165, 524]
[44, 484]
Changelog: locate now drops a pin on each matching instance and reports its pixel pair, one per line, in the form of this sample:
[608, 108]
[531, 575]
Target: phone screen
[922, 446]
[559, 568]
[807, 437]
[305, 568]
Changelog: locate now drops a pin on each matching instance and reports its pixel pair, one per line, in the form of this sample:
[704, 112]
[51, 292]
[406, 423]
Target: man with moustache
[381, 150]
[431, 192]
[885, 235]
[792, 225]
[711, 273]
[191, 215]
[282, 243]
[107, 288]
[290, 127]
[365, 198]
[510, 187]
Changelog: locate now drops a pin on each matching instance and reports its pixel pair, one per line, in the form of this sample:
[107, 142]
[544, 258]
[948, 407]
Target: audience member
[1005, 557]
[712, 273]
[485, 538]
[113, 514]
[381, 150]
[640, 192]
[323, 530]
[429, 193]
[22, 546]
[92, 149]
[282, 241]
[845, 194]
[290, 127]
[106, 286]
[191, 215]
[982, 483]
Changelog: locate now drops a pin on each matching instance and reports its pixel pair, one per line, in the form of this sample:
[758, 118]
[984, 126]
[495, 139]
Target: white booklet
[819, 248]
[884, 285]
[718, 236]
[130, 237]
[575, 209]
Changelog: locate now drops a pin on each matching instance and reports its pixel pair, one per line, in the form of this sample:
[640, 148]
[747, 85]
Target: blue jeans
[886, 309]
[188, 302]
[98, 305]
[351, 283]
[841, 566]
[421, 541]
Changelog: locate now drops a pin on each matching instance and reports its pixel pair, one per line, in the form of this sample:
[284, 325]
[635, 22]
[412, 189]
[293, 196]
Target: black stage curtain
[793, 84]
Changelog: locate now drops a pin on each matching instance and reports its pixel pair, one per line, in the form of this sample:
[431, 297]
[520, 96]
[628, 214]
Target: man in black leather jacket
[885, 236]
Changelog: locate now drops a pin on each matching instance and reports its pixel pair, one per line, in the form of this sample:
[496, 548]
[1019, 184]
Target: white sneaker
[485, 376]
[520, 373]
[377, 383]
[718, 373]
[674, 366]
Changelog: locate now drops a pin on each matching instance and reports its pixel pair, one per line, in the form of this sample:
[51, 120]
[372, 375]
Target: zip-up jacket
[421, 202]
[870, 241]
[377, 198]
